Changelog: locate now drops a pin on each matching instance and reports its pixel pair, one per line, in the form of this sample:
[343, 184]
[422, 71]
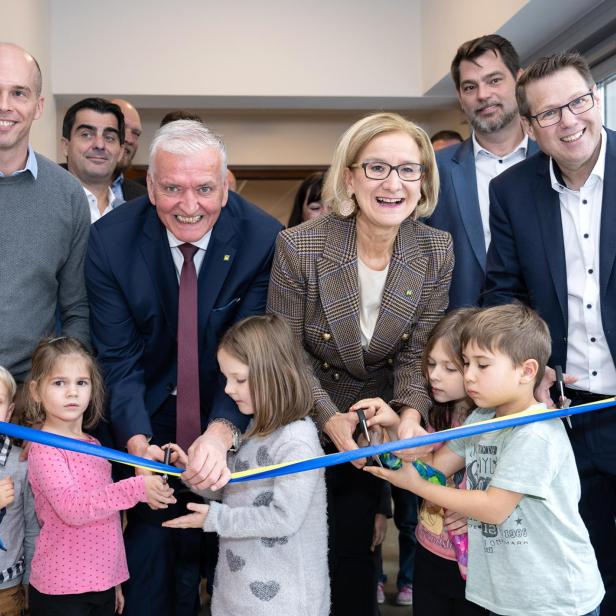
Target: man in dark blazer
[553, 219]
[484, 71]
[133, 267]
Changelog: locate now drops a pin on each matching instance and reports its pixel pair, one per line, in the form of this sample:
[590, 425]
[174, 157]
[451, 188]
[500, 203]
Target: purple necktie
[188, 409]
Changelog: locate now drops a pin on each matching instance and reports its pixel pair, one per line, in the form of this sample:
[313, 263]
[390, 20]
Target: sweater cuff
[211, 519]
[138, 485]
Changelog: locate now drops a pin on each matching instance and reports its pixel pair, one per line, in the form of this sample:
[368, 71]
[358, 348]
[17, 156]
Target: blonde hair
[357, 137]
[514, 330]
[278, 371]
[448, 331]
[44, 359]
[6, 378]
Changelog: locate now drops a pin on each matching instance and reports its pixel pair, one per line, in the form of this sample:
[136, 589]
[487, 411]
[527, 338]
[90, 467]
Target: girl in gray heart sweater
[273, 532]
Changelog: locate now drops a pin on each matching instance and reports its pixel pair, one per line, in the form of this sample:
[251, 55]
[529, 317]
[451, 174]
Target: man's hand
[207, 458]
[7, 491]
[340, 428]
[138, 446]
[542, 391]
[380, 530]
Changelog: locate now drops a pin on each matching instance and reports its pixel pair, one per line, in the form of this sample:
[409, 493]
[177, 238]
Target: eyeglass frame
[560, 109]
[391, 168]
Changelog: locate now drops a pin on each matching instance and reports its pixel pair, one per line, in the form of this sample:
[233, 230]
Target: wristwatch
[236, 437]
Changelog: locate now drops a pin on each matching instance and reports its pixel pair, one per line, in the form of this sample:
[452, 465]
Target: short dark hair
[180, 114]
[471, 50]
[309, 190]
[546, 66]
[446, 135]
[100, 105]
[515, 330]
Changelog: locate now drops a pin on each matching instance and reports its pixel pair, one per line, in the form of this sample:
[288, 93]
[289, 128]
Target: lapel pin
[409, 292]
[226, 258]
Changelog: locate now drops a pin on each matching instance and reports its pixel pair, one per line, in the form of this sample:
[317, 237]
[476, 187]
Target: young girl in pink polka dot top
[79, 561]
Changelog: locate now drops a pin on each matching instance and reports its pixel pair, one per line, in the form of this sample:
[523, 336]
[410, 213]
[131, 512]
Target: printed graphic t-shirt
[538, 562]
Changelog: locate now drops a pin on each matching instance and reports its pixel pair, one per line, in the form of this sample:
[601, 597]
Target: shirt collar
[117, 182]
[94, 201]
[202, 243]
[31, 165]
[556, 177]
[478, 148]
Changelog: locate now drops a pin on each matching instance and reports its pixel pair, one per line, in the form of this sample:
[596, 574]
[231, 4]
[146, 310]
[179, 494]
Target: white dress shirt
[93, 203]
[487, 167]
[588, 354]
[178, 257]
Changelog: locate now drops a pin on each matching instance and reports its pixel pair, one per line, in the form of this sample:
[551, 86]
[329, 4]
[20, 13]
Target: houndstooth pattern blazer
[314, 285]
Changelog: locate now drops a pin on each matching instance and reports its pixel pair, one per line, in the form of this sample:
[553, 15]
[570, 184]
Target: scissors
[364, 429]
[563, 401]
[166, 461]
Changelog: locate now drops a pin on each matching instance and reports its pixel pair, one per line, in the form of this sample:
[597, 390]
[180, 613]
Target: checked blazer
[314, 285]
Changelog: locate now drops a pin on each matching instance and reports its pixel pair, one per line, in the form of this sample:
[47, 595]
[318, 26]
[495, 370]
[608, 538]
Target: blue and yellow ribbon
[286, 468]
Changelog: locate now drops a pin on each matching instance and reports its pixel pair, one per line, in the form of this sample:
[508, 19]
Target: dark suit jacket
[457, 211]
[526, 260]
[132, 190]
[314, 285]
[133, 292]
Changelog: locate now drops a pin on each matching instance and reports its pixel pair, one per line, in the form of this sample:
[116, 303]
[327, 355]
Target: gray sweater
[19, 526]
[44, 227]
[273, 532]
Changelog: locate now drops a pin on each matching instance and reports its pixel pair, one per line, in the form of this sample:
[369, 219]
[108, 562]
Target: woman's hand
[410, 427]
[455, 523]
[340, 428]
[379, 413]
[192, 520]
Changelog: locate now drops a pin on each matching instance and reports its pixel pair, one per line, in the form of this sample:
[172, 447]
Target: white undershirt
[588, 354]
[371, 287]
[178, 257]
[487, 167]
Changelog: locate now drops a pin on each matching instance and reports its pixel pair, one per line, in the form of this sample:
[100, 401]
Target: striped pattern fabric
[314, 285]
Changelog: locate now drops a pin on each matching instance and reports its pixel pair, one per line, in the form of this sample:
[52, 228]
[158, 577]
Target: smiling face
[132, 133]
[65, 394]
[237, 387]
[445, 379]
[94, 148]
[575, 141]
[188, 190]
[385, 203]
[20, 105]
[487, 93]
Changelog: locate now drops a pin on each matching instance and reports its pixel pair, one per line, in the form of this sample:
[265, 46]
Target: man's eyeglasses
[377, 170]
[577, 106]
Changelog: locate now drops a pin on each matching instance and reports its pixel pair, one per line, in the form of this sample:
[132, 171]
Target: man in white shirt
[92, 140]
[552, 220]
[484, 71]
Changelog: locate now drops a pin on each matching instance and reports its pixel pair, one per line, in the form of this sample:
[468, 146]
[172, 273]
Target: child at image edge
[529, 551]
[79, 560]
[18, 524]
[273, 532]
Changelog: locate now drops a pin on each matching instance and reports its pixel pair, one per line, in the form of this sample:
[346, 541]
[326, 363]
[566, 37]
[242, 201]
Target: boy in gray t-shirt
[529, 551]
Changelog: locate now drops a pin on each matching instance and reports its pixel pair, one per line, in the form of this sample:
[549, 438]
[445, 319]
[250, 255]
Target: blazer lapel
[464, 178]
[607, 245]
[216, 266]
[339, 292]
[154, 246]
[401, 295]
[551, 227]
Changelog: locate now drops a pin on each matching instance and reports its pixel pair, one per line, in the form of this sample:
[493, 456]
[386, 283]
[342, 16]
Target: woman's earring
[347, 206]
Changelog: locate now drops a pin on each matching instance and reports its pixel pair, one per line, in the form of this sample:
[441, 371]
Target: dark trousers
[82, 604]
[164, 563]
[352, 499]
[438, 588]
[405, 519]
[593, 438]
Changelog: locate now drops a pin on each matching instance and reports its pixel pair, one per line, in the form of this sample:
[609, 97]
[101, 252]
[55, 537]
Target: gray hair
[187, 137]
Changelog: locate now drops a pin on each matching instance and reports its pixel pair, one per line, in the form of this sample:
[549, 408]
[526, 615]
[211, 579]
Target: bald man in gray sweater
[44, 225]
